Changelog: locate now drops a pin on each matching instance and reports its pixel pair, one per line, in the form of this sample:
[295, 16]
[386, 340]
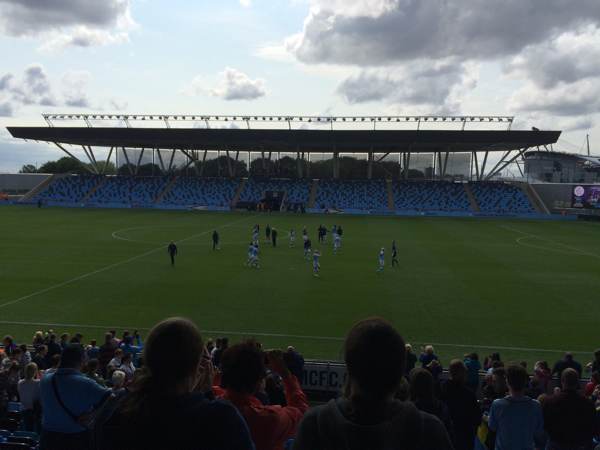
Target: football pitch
[529, 289]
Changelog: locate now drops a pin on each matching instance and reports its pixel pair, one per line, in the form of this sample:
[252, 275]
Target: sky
[538, 60]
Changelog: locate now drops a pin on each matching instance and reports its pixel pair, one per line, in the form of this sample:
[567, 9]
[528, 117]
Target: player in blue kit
[250, 254]
[307, 248]
[292, 237]
[381, 260]
[316, 264]
[255, 260]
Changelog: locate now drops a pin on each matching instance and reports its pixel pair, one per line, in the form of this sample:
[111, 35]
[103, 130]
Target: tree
[28, 168]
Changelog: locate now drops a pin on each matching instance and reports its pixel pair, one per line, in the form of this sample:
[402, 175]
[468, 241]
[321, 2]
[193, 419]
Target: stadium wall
[20, 183]
[555, 195]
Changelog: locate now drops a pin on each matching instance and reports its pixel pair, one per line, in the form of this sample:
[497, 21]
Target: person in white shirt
[115, 363]
[127, 366]
[29, 394]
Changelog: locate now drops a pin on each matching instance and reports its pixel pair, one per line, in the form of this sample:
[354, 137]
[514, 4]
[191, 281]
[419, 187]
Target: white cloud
[61, 23]
[75, 84]
[246, 3]
[236, 85]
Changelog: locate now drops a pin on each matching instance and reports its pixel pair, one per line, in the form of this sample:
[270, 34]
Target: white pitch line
[110, 266]
[529, 235]
[290, 336]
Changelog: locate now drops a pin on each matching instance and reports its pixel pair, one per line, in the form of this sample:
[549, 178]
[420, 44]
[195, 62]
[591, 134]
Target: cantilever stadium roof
[305, 140]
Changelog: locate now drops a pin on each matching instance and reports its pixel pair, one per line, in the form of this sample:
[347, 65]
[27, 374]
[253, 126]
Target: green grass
[531, 285]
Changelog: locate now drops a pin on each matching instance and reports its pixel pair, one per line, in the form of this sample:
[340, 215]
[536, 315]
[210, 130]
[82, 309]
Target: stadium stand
[481, 386]
[125, 190]
[296, 191]
[68, 189]
[501, 198]
[430, 196]
[351, 196]
[192, 191]
[363, 195]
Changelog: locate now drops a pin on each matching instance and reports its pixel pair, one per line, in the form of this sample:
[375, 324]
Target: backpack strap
[60, 401]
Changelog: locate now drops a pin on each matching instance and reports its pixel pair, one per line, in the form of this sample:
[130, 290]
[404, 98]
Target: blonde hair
[31, 371]
[118, 378]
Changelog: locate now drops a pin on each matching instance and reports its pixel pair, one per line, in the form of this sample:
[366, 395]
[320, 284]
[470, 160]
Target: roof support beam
[110, 152]
[127, 160]
[74, 157]
[506, 163]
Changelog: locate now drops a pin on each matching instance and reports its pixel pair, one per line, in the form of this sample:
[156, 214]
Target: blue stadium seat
[430, 196]
[501, 198]
[126, 190]
[367, 195]
[193, 191]
[68, 189]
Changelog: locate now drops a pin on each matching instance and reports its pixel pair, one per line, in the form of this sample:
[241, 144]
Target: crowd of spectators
[176, 390]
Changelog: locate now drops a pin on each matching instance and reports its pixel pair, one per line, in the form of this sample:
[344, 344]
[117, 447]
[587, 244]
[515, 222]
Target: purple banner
[586, 196]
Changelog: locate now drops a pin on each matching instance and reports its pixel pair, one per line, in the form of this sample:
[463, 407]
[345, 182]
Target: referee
[172, 249]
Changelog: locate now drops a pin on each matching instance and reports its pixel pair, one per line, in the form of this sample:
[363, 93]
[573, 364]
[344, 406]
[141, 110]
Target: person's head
[429, 349]
[126, 359]
[499, 379]
[569, 380]
[458, 371]
[495, 356]
[55, 361]
[421, 385]
[408, 348]
[523, 364]
[7, 341]
[52, 337]
[113, 333]
[516, 378]
[243, 367]
[64, 337]
[224, 343]
[597, 355]
[17, 352]
[595, 377]
[72, 357]
[31, 371]
[23, 348]
[569, 356]
[375, 356]
[38, 337]
[497, 364]
[92, 366]
[166, 369]
[93, 342]
[108, 337]
[219, 342]
[119, 353]
[42, 350]
[118, 379]
[541, 365]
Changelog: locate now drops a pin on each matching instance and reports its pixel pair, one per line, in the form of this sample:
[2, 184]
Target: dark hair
[93, 342]
[72, 356]
[421, 385]
[55, 360]
[457, 370]
[164, 369]
[126, 357]
[570, 380]
[242, 367]
[92, 365]
[375, 356]
[108, 337]
[23, 347]
[517, 377]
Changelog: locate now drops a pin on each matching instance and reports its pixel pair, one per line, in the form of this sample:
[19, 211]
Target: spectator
[462, 405]
[53, 349]
[295, 362]
[411, 359]
[594, 366]
[92, 350]
[54, 363]
[106, 352]
[129, 346]
[114, 339]
[25, 356]
[4, 366]
[473, 367]
[38, 340]
[91, 371]
[243, 370]
[64, 340]
[76, 339]
[488, 362]
[222, 345]
[368, 416]
[427, 356]
[29, 395]
[68, 397]
[39, 358]
[422, 395]
[118, 381]
[495, 387]
[210, 345]
[542, 375]
[127, 366]
[166, 407]
[9, 345]
[516, 419]
[115, 363]
[569, 417]
[591, 385]
[566, 363]
[14, 372]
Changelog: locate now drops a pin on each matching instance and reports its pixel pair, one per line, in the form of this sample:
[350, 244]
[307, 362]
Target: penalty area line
[291, 336]
[112, 266]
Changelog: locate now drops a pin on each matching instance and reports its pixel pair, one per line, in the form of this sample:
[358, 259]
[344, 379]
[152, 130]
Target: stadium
[482, 264]
[299, 225]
